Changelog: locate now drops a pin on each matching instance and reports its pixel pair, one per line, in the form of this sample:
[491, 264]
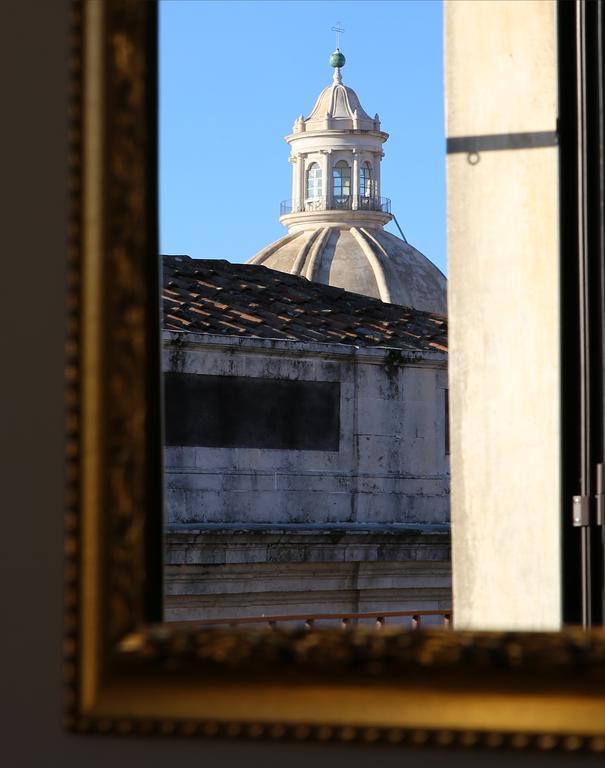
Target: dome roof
[341, 104]
[364, 260]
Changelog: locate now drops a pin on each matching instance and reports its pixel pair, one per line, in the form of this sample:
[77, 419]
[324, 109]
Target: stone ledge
[309, 528]
[220, 546]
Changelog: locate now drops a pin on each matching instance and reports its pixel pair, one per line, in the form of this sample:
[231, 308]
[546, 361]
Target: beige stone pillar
[503, 298]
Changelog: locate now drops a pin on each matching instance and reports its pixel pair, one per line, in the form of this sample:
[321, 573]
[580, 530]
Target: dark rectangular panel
[241, 412]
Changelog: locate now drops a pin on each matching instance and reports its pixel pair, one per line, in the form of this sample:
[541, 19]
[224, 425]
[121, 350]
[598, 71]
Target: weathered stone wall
[392, 464]
[271, 531]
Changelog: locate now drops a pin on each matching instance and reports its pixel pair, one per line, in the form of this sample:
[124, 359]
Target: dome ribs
[410, 277]
[377, 268]
[342, 105]
[259, 302]
[315, 253]
[301, 256]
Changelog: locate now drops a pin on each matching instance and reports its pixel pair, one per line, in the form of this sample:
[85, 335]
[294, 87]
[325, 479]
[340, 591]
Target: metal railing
[344, 620]
[336, 203]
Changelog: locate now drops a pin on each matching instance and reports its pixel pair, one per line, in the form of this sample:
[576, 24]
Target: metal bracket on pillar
[581, 511]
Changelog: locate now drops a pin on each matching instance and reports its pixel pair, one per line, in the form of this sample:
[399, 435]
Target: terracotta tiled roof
[211, 296]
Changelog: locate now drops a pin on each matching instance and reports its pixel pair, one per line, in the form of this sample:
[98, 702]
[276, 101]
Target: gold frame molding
[127, 673]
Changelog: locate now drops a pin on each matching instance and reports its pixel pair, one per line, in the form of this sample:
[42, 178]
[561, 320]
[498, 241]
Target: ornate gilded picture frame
[125, 671]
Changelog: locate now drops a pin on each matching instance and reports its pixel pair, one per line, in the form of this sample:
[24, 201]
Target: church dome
[336, 215]
[364, 260]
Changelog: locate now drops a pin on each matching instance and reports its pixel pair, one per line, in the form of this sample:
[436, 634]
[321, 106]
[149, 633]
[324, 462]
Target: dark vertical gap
[582, 292]
[596, 270]
[154, 493]
[570, 356]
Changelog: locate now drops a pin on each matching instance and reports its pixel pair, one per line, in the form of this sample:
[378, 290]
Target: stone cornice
[336, 132]
[285, 347]
[334, 218]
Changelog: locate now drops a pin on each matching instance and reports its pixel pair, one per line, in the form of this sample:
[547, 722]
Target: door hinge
[581, 511]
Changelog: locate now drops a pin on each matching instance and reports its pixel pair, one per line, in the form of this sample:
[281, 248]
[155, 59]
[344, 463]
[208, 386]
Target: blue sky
[235, 74]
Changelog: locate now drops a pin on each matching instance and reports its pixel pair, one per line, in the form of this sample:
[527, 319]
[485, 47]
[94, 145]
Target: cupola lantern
[336, 214]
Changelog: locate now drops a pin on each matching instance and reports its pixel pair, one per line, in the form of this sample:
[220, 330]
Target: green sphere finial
[337, 59]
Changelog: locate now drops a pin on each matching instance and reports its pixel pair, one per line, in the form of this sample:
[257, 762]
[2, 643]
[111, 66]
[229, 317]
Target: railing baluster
[446, 617]
[336, 202]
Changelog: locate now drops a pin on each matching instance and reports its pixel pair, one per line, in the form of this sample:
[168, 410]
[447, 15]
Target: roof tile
[261, 302]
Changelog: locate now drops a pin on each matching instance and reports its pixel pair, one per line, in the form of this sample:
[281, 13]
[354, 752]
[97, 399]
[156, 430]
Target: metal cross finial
[338, 30]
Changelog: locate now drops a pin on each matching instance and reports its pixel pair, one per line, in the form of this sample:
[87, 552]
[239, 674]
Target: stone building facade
[306, 463]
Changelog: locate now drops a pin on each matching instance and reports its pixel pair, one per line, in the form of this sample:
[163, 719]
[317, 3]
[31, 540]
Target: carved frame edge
[111, 553]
